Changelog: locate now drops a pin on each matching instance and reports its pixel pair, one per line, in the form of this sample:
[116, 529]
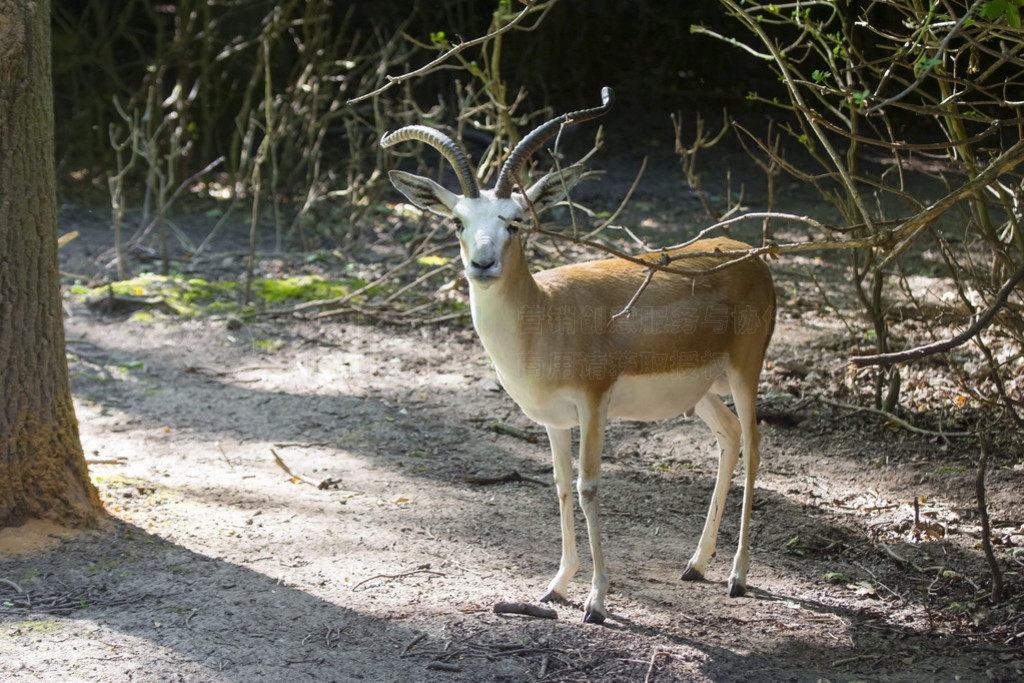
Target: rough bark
[42, 468]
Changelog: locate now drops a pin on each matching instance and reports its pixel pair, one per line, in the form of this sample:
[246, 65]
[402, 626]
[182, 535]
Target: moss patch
[191, 297]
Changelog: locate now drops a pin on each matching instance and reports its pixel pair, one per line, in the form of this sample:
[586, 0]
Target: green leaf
[925, 64]
[1013, 16]
[993, 10]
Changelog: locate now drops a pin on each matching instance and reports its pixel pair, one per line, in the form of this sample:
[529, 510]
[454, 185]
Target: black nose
[482, 266]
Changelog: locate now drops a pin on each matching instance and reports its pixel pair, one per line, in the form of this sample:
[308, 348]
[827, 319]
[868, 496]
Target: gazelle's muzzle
[483, 259]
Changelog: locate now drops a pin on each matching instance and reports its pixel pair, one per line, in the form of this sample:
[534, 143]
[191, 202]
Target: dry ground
[215, 565]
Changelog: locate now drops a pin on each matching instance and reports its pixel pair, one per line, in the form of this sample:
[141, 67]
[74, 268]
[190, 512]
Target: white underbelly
[658, 397]
[631, 397]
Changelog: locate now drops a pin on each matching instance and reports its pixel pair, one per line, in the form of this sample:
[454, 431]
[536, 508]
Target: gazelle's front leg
[592, 423]
[561, 454]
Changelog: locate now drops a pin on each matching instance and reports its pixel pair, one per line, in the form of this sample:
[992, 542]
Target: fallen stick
[504, 428]
[323, 484]
[945, 436]
[411, 644]
[525, 609]
[502, 479]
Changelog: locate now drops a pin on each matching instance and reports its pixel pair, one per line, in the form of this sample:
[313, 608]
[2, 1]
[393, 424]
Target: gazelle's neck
[501, 308]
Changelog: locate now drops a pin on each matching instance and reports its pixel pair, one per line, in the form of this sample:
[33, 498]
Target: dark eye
[458, 224]
[513, 226]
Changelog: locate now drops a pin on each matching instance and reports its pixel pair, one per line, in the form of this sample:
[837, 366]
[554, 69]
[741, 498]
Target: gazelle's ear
[424, 192]
[554, 187]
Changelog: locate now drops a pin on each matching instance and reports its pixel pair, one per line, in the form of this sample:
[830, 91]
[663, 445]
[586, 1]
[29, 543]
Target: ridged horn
[536, 139]
[448, 149]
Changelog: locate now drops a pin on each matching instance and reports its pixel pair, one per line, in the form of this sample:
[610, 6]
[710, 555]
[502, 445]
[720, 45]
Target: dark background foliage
[643, 49]
[859, 102]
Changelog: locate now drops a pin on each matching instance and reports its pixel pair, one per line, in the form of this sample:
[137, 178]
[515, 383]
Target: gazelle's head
[487, 221]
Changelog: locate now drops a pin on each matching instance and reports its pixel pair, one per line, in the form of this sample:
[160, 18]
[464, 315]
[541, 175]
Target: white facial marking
[484, 234]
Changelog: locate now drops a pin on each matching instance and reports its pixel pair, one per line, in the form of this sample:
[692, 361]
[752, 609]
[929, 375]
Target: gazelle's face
[486, 227]
[487, 224]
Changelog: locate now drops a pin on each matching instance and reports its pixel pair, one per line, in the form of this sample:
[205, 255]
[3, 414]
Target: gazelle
[568, 355]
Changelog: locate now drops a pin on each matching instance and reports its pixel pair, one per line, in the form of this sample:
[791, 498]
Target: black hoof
[691, 574]
[552, 596]
[737, 590]
[591, 617]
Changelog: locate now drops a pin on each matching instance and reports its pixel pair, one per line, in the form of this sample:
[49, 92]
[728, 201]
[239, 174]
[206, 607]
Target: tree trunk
[42, 467]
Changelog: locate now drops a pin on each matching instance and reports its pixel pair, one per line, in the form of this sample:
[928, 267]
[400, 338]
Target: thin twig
[165, 206]
[899, 421]
[411, 644]
[296, 477]
[420, 570]
[828, 302]
[636, 295]
[654, 659]
[322, 484]
[872, 575]
[932, 63]
[623, 203]
[856, 658]
[986, 531]
[418, 254]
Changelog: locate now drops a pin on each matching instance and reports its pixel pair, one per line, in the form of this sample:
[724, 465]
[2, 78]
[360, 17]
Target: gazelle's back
[676, 322]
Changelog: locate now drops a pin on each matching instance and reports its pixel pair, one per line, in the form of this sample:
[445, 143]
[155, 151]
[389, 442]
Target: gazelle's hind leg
[727, 430]
[592, 423]
[744, 395]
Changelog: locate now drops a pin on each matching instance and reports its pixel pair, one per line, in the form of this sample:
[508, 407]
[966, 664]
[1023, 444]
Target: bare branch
[938, 347]
[912, 229]
[622, 204]
[897, 420]
[640, 290]
[735, 256]
[939, 54]
[531, 7]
